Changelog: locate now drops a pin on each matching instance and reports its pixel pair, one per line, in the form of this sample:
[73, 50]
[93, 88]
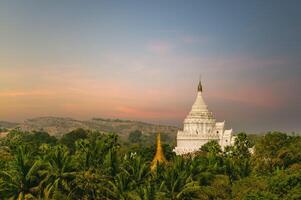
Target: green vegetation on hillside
[58, 126]
[90, 165]
[3, 129]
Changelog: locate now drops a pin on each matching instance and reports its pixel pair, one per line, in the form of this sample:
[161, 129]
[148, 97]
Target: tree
[212, 147]
[5, 157]
[242, 146]
[249, 186]
[14, 140]
[121, 188]
[20, 180]
[168, 151]
[237, 158]
[111, 163]
[59, 169]
[138, 169]
[177, 180]
[2, 129]
[90, 184]
[93, 151]
[286, 184]
[69, 139]
[269, 152]
[135, 136]
[37, 138]
[98, 169]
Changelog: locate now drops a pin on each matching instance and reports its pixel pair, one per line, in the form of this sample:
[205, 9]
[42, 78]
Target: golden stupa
[159, 156]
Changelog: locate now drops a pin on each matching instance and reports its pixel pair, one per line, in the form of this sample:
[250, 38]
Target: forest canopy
[86, 164]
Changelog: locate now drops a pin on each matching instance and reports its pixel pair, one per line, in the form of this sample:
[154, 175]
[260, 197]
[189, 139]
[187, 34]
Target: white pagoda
[200, 127]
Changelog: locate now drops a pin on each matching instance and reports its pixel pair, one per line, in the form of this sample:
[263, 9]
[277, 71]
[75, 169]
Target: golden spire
[159, 156]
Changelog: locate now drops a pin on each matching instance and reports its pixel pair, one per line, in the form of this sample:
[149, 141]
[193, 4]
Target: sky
[142, 60]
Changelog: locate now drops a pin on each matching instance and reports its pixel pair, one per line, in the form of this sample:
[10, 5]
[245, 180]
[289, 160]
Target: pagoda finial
[200, 87]
[159, 156]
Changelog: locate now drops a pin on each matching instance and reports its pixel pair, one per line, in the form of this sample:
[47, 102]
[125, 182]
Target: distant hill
[5, 124]
[57, 126]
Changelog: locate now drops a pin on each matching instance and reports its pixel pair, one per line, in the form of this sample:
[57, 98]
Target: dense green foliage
[3, 129]
[90, 165]
[135, 136]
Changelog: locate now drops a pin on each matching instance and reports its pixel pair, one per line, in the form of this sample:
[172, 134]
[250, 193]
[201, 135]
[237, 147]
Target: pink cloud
[194, 39]
[25, 93]
[77, 92]
[160, 47]
[251, 95]
[146, 113]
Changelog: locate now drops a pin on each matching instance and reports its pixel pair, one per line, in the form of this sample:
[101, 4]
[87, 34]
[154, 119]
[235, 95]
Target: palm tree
[20, 181]
[58, 170]
[138, 169]
[151, 191]
[121, 188]
[111, 163]
[88, 151]
[129, 182]
[90, 184]
[178, 182]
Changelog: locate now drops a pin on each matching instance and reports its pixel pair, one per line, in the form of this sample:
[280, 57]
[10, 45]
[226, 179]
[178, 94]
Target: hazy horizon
[142, 60]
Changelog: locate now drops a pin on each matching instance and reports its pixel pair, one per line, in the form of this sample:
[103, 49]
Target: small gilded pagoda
[159, 156]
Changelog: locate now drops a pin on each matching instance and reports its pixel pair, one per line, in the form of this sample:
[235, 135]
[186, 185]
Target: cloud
[194, 39]
[160, 47]
[254, 96]
[152, 87]
[25, 93]
[147, 112]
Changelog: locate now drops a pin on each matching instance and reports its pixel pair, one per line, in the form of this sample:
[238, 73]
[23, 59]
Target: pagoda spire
[159, 156]
[200, 87]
